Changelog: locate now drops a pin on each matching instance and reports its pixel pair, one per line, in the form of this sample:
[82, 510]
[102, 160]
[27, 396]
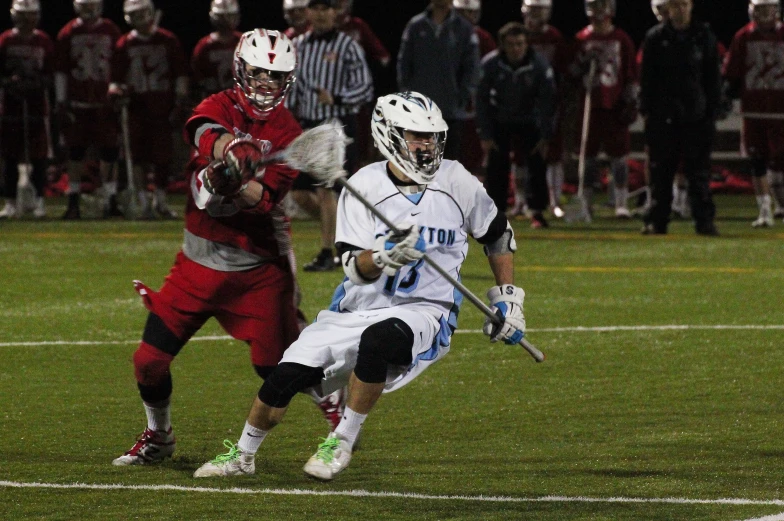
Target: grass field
[628, 418]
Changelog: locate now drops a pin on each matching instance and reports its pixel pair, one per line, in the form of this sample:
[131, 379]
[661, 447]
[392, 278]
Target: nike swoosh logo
[252, 436]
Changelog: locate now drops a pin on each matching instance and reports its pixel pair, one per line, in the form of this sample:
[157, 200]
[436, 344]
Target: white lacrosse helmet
[469, 5]
[760, 11]
[412, 111]
[88, 10]
[139, 13]
[600, 8]
[539, 10]
[225, 13]
[268, 53]
[288, 5]
[25, 12]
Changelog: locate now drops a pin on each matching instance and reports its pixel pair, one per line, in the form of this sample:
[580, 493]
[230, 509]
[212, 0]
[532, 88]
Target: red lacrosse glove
[244, 156]
[220, 179]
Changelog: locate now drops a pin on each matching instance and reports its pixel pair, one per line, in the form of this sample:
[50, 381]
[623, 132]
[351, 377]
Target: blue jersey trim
[338, 296]
[415, 198]
[442, 338]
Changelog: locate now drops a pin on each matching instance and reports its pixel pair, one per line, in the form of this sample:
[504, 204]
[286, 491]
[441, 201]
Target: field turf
[628, 418]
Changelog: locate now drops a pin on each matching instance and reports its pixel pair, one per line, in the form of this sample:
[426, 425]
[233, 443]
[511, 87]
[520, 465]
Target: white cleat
[332, 456]
[39, 210]
[9, 212]
[233, 463]
[151, 447]
[763, 221]
[621, 212]
[558, 212]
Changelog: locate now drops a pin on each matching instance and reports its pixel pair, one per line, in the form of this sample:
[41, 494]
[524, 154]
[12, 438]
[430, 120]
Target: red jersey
[263, 230]
[149, 66]
[30, 60]
[617, 66]
[212, 62]
[755, 66]
[361, 32]
[84, 56]
[550, 43]
[486, 41]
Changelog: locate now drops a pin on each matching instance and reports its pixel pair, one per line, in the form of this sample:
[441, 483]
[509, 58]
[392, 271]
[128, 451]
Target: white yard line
[403, 495]
[774, 517]
[575, 329]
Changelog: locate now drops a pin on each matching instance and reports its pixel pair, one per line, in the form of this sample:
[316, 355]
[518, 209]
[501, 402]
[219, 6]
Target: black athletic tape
[385, 343]
[286, 381]
[161, 337]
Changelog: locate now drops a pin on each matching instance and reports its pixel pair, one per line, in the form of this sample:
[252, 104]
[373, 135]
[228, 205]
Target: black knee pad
[109, 154]
[388, 342]
[77, 153]
[157, 334]
[263, 370]
[286, 381]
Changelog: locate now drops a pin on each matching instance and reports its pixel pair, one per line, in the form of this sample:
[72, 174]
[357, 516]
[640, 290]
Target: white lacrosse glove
[393, 251]
[507, 303]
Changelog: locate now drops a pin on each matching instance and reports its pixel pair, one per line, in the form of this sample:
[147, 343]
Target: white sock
[110, 188]
[144, 198]
[350, 425]
[158, 418]
[621, 195]
[251, 439]
[763, 201]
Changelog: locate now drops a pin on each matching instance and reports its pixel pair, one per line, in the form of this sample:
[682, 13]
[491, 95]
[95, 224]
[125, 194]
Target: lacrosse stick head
[320, 152]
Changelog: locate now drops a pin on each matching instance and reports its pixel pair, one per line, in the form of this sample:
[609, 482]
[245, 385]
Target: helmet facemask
[420, 156]
[88, 10]
[141, 20]
[264, 89]
[225, 21]
[765, 14]
[599, 9]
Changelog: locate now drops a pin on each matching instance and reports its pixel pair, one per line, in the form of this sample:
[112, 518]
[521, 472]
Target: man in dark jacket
[439, 57]
[680, 101]
[516, 104]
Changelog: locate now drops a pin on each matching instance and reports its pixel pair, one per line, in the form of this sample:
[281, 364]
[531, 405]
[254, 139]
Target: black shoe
[72, 214]
[708, 230]
[650, 229]
[112, 210]
[324, 261]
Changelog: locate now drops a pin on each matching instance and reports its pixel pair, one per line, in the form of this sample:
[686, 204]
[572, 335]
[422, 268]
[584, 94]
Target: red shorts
[13, 137]
[764, 139]
[92, 127]
[255, 306]
[607, 133]
[151, 140]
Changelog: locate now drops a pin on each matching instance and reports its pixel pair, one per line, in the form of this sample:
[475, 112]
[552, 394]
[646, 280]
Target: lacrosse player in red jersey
[753, 69]
[614, 95]
[150, 74]
[84, 56]
[296, 14]
[213, 56]
[25, 71]
[236, 261]
[393, 315]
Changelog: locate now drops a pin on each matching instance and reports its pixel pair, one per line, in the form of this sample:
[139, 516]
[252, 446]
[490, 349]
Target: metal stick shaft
[484, 308]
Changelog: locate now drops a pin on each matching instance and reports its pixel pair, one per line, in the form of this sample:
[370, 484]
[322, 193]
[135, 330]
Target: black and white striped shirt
[335, 62]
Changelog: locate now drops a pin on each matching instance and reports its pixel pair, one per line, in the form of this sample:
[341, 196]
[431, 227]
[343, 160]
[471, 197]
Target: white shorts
[332, 343]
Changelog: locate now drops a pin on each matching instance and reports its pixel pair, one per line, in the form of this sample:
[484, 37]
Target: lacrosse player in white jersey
[393, 315]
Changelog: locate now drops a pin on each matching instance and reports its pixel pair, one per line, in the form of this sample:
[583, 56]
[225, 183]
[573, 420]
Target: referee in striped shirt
[333, 81]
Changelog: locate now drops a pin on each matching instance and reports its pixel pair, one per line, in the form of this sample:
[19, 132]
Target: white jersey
[452, 207]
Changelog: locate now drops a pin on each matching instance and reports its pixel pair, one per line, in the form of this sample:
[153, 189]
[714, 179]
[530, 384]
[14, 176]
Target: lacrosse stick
[579, 211]
[320, 153]
[130, 208]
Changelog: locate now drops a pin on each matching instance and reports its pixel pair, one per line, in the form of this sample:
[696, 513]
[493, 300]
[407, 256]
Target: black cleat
[324, 261]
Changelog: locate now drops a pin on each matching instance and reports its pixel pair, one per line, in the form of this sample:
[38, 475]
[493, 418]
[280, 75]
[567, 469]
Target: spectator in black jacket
[680, 101]
[516, 104]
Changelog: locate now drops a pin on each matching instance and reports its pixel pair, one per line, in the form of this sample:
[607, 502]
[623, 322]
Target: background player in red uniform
[213, 56]
[149, 70]
[754, 68]
[84, 54]
[26, 67]
[550, 43]
[235, 261]
[296, 14]
[614, 96]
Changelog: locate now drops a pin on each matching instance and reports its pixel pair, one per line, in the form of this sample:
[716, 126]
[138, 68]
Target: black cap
[328, 3]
